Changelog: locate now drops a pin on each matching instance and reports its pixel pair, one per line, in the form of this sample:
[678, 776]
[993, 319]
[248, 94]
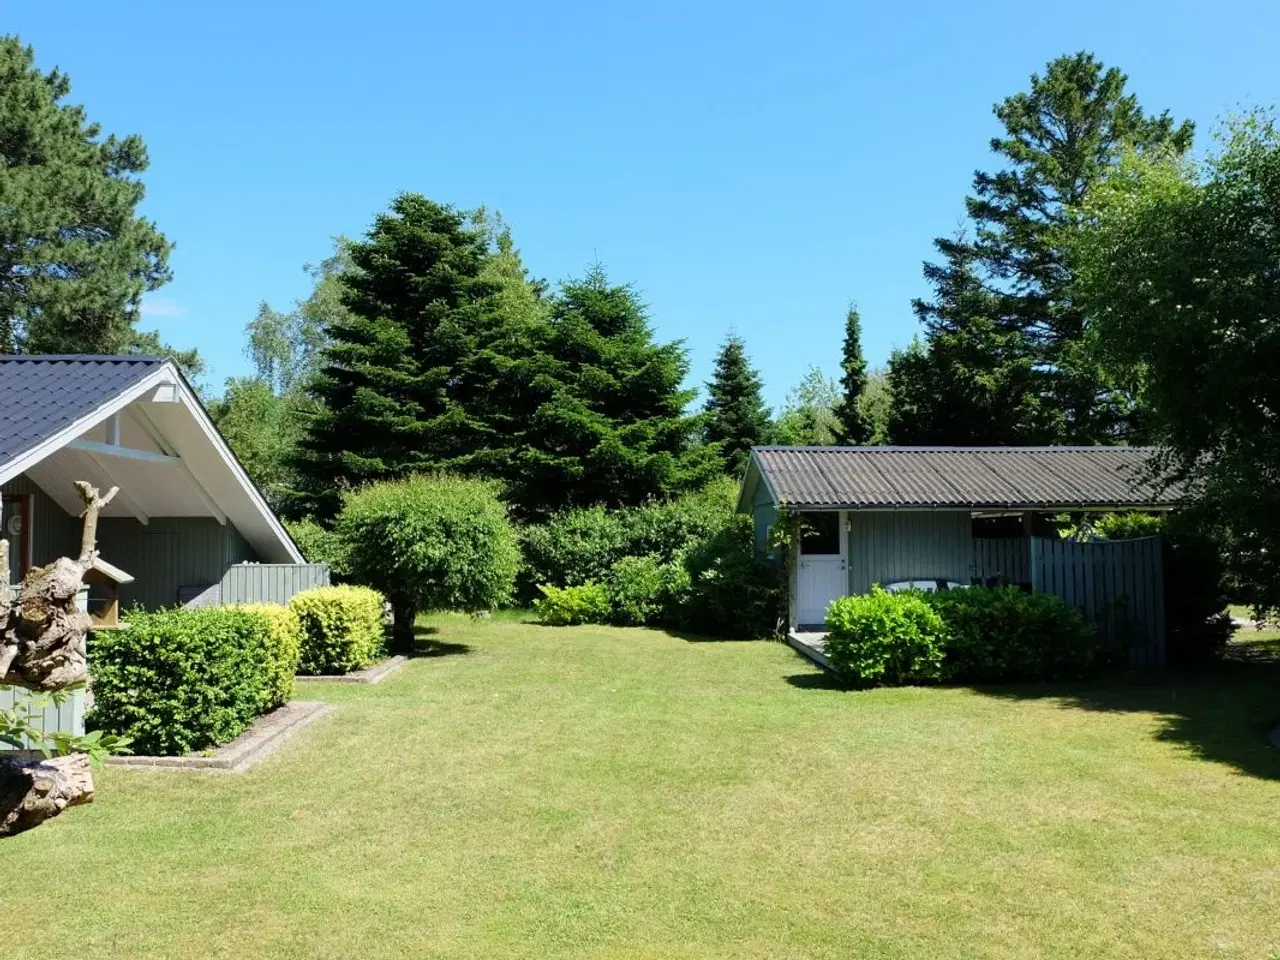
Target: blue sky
[752, 167]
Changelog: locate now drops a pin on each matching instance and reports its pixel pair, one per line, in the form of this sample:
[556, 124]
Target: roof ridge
[81, 358]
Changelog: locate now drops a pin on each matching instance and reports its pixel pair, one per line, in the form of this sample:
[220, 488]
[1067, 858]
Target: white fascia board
[188, 397]
[165, 374]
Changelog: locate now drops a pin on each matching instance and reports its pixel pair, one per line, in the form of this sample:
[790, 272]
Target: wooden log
[46, 633]
[32, 791]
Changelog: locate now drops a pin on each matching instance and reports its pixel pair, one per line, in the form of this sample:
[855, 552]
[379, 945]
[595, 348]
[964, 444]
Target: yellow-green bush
[284, 642]
[342, 628]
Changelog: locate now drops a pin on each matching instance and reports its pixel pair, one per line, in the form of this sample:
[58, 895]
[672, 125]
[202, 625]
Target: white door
[820, 574]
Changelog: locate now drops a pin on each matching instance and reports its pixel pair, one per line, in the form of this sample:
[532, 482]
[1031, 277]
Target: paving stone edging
[375, 674]
[267, 735]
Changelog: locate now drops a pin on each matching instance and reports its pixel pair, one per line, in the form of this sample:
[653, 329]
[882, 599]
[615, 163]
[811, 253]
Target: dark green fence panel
[1118, 583]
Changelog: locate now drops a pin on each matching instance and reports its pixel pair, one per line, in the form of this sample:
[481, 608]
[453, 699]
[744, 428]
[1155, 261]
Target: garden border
[374, 674]
[265, 737]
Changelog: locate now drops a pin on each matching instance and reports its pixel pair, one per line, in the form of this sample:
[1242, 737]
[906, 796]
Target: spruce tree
[395, 362]
[1002, 360]
[736, 416]
[853, 430]
[607, 422]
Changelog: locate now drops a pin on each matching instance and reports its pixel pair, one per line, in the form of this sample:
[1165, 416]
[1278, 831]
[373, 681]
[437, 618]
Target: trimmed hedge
[178, 681]
[342, 628]
[1004, 634]
[970, 635]
[885, 638]
[284, 640]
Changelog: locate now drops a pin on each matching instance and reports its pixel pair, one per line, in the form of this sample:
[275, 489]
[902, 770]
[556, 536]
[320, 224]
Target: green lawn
[597, 792]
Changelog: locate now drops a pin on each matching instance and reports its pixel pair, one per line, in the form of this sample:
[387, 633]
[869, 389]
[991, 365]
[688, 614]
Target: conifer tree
[736, 416]
[1002, 358]
[853, 429]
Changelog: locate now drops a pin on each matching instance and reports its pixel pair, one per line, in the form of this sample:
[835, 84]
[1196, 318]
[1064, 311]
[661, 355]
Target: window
[15, 526]
[820, 533]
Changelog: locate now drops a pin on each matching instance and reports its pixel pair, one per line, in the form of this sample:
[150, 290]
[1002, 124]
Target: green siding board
[885, 546]
[169, 553]
[765, 514]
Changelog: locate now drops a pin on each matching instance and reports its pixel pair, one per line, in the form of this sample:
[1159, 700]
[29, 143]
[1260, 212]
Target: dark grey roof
[39, 395]
[888, 478]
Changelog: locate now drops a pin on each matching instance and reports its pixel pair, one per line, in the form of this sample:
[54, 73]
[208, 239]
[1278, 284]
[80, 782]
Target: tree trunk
[32, 791]
[404, 612]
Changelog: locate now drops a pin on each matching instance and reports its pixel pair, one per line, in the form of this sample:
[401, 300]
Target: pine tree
[736, 416]
[1002, 353]
[854, 430]
[394, 371]
[75, 258]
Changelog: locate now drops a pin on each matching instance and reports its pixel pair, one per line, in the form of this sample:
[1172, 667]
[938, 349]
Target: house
[939, 515]
[186, 512]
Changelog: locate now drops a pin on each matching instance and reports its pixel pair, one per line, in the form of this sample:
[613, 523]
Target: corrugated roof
[40, 395]
[889, 478]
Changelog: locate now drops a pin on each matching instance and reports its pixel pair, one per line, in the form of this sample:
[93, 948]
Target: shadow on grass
[1221, 712]
[426, 644]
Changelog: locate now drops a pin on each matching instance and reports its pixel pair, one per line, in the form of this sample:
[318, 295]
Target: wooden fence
[68, 718]
[1118, 583]
[270, 582]
[1008, 558]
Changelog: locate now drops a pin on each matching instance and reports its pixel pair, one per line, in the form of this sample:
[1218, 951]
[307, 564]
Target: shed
[944, 515]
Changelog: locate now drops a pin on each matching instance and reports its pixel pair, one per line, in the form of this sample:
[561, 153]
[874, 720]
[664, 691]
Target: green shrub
[284, 646]
[567, 606]
[1128, 526]
[318, 544]
[341, 628]
[1004, 634]
[431, 543]
[732, 589]
[582, 545]
[177, 681]
[885, 638]
[637, 589]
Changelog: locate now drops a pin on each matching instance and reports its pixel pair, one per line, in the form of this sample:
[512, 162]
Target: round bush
[885, 638]
[430, 543]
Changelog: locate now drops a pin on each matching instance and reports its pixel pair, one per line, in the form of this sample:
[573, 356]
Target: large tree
[449, 357]
[1178, 271]
[389, 384]
[75, 258]
[736, 416]
[808, 418]
[1002, 359]
[854, 429]
[608, 423]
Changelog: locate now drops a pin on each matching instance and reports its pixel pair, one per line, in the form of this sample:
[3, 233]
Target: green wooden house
[934, 517]
[187, 513]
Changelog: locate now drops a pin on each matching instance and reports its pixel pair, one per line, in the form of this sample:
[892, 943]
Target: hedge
[969, 635]
[284, 639]
[178, 681]
[342, 628]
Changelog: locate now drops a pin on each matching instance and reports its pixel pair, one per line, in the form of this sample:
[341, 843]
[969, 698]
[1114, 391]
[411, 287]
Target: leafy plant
[885, 638]
[637, 588]
[177, 681]
[430, 543]
[1004, 634]
[319, 544]
[568, 606]
[342, 628]
[20, 728]
[732, 589]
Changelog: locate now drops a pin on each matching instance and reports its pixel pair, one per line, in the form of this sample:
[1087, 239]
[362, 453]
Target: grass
[596, 792]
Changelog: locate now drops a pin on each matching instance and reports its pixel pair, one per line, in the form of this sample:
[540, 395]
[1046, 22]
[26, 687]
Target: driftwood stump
[32, 791]
[42, 647]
